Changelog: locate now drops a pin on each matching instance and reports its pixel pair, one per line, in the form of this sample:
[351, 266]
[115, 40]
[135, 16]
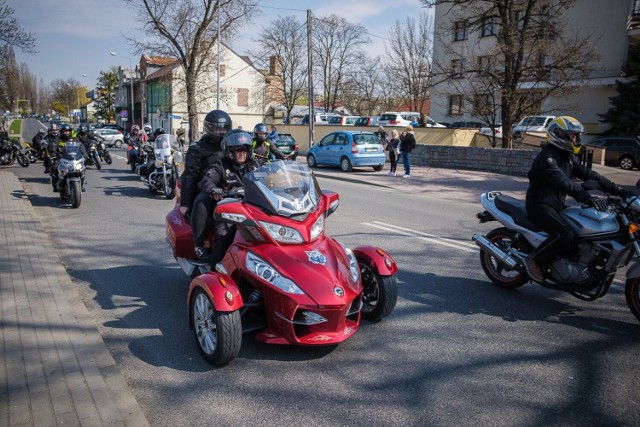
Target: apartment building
[462, 52]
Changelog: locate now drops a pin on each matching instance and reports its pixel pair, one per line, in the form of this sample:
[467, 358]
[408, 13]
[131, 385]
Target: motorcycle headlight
[635, 205]
[281, 233]
[353, 263]
[177, 157]
[168, 160]
[266, 272]
[78, 167]
[158, 163]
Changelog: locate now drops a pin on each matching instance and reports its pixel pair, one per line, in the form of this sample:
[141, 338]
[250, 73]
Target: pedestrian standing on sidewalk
[407, 143]
[393, 147]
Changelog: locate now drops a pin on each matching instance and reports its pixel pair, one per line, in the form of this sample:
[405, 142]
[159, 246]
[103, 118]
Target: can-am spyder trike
[606, 241]
[282, 276]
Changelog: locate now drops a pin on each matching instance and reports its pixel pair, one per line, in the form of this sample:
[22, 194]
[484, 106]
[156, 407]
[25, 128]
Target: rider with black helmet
[224, 175]
[54, 149]
[202, 155]
[551, 179]
[36, 141]
[262, 148]
[51, 140]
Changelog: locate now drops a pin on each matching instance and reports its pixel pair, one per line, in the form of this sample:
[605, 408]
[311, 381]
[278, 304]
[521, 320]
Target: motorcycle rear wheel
[75, 194]
[23, 160]
[380, 294]
[632, 294]
[497, 271]
[218, 334]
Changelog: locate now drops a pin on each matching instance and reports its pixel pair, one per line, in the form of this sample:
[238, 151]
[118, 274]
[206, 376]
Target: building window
[482, 105]
[484, 64]
[243, 97]
[488, 27]
[457, 68]
[455, 105]
[519, 17]
[460, 30]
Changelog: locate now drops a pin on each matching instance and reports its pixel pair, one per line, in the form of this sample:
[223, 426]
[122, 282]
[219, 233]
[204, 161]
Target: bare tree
[337, 49]
[284, 40]
[528, 61]
[360, 92]
[12, 34]
[409, 60]
[188, 31]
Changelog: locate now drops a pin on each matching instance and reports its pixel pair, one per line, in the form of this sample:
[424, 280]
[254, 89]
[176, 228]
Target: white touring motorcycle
[606, 241]
[70, 166]
[160, 171]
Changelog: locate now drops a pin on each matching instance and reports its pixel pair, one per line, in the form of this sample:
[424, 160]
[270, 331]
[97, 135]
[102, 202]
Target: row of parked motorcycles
[156, 162]
[11, 151]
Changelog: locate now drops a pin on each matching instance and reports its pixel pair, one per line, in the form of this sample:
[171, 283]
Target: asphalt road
[456, 351]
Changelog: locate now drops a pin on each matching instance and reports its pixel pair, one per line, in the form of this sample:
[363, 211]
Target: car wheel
[345, 164]
[377, 168]
[117, 143]
[626, 163]
[311, 161]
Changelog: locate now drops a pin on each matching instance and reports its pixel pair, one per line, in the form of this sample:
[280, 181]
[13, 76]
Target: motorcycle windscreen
[165, 141]
[283, 188]
[72, 151]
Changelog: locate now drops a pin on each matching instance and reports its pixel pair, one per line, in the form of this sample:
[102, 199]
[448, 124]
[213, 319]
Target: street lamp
[131, 80]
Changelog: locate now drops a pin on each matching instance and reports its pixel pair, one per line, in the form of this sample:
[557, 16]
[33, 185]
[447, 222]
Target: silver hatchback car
[112, 137]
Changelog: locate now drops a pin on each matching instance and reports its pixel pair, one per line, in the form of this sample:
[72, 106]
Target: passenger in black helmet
[200, 157]
[224, 175]
[263, 150]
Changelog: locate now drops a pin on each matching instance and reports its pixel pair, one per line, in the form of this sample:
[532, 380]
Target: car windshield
[334, 120]
[282, 188]
[362, 121]
[365, 138]
[284, 138]
[532, 121]
[388, 117]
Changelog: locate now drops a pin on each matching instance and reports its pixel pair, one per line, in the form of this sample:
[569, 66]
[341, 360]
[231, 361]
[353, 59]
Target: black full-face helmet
[157, 132]
[41, 132]
[237, 140]
[54, 130]
[216, 124]
[82, 130]
[65, 132]
[261, 131]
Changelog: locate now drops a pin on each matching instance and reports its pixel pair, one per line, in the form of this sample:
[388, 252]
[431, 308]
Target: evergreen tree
[624, 115]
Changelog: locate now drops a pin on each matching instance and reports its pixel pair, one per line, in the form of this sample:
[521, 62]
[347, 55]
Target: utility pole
[312, 116]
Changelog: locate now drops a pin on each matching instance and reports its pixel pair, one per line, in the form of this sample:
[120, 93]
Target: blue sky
[74, 37]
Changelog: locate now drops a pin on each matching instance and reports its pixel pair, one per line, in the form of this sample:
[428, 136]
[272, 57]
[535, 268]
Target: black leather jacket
[200, 157]
[551, 179]
[226, 174]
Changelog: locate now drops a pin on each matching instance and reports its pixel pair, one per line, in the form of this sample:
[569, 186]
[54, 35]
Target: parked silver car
[112, 137]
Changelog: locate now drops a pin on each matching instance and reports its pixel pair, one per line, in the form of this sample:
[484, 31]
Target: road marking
[456, 244]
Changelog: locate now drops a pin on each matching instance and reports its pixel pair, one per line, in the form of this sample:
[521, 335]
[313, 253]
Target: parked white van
[531, 124]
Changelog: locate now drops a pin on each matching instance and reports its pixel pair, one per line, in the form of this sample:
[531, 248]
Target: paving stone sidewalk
[56, 368]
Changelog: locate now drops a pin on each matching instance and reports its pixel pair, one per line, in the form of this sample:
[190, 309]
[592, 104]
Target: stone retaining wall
[498, 160]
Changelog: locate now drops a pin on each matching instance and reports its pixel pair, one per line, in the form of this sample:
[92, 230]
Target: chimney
[274, 65]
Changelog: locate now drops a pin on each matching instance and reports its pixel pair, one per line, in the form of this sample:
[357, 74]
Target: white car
[405, 118]
[531, 124]
[112, 137]
[489, 132]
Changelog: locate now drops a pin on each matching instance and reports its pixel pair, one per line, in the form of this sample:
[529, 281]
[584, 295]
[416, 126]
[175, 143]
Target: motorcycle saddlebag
[179, 235]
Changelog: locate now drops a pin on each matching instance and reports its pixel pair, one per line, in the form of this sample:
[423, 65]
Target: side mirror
[333, 201]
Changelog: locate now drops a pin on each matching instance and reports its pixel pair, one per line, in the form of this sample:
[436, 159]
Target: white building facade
[607, 23]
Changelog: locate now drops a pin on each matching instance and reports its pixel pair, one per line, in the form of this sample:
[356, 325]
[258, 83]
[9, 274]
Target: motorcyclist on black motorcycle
[550, 181]
[148, 150]
[50, 145]
[199, 158]
[225, 175]
[133, 141]
[55, 150]
[37, 140]
[264, 150]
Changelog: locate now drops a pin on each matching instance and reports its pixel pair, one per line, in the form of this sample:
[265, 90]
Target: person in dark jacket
[263, 149]
[36, 141]
[407, 143]
[200, 157]
[222, 176]
[551, 179]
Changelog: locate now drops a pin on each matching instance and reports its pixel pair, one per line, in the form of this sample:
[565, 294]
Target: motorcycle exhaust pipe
[494, 250]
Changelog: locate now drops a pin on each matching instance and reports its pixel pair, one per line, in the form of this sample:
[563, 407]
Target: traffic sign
[124, 113]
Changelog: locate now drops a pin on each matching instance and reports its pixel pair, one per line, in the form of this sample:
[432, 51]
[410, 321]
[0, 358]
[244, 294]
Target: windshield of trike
[284, 188]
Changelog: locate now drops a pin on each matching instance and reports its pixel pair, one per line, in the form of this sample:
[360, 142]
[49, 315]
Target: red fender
[221, 288]
[377, 258]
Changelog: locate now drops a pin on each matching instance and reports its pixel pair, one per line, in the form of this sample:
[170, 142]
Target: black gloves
[217, 193]
[625, 194]
[596, 203]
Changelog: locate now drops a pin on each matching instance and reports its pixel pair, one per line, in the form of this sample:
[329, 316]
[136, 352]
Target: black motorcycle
[93, 158]
[103, 153]
[10, 151]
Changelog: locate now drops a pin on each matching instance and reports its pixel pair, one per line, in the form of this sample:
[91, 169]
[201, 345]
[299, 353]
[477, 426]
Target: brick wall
[498, 160]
